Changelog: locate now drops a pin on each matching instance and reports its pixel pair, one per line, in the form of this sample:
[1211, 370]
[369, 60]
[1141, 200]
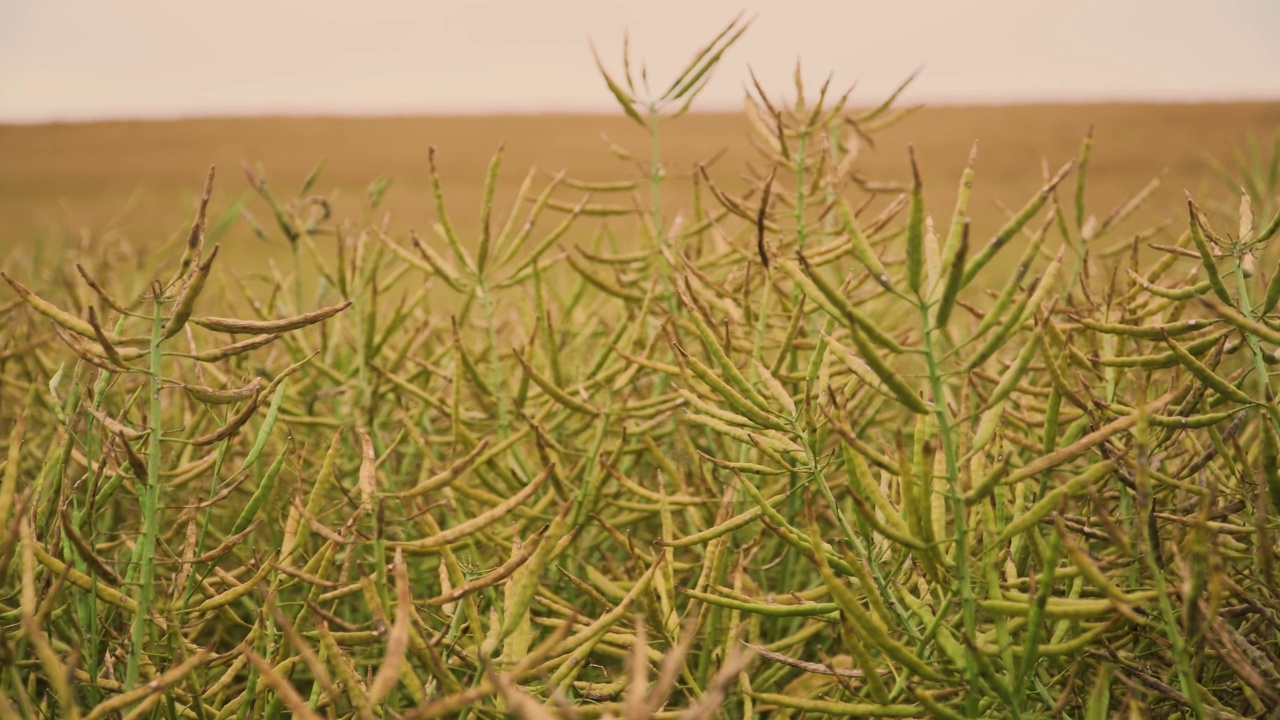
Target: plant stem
[150, 511]
[968, 602]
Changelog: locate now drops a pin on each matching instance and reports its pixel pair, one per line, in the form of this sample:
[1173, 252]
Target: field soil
[74, 183]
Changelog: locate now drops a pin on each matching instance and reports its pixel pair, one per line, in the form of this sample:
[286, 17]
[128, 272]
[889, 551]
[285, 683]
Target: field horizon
[140, 176]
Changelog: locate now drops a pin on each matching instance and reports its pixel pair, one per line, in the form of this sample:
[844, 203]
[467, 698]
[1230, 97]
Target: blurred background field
[66, 184]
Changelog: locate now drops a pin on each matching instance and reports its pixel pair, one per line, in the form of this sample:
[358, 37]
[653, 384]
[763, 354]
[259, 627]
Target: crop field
[67, 182]
[811, 411]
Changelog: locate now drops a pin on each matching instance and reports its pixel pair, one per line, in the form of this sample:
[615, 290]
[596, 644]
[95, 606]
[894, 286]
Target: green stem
[968, 602]
[1259, 365]
[146, 551]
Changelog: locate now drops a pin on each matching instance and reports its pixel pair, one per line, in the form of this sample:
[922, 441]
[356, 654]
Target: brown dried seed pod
[234, 325]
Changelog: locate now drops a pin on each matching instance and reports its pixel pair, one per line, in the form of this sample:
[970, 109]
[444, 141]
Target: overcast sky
[82, 59]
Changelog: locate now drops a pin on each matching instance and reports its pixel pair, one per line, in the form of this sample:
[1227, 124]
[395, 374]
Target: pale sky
[89, 59]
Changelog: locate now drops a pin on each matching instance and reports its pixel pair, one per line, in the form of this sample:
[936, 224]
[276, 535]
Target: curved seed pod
[765, 442]
[63, 318]
[625, 100]
[497, 575]
[1272, 295]
[96, 586]
[234, 325]
[811, 279]
[233, 594]
[861, 247]
[1233, 316]
[442, 269]
[442, 479]
[1056, 609]
[960, 217]
[187, 298]
[996, 314]
[1184, 422]
[444, 227]
[232, 425]
[1090, 571]
[983, 487]
[892, 380]
[486, 210]
[1206, 254]
[737, 521]
[1207, 376]
[471, 526]
[1013, 227]
[1016, 371]
[1146, 332]
[226, 351]
[763, 608]
[115, 426]
[601, 283]
[1043, 288]
[212, 396]
[1182, 293]
[259, 497]
[556, 393]
[105, 342]
[195, 238]
[152, 688]
[1081, 446]
[712, 344]
[1168, 359]
[1053, 498]
[859, 620]
[735, 400]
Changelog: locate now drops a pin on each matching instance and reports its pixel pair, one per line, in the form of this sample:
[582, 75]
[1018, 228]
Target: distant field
[141, 177]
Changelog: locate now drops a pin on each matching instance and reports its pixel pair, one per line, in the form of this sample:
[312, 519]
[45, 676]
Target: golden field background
[79, 182]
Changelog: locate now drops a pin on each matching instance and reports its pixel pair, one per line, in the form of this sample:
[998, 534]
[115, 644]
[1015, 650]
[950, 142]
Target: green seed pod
[861, 247]
[187, 299]
[1233, 316]
[1272, 295]
[735, 400]
[1182, 293]
[1051, 500]
[1016, 371]
[473, 525]
[712, 345]
[1271, 463]
[765, 609]
[1146, 332]
[1206, 254]
[1086, 149]
[556, 393]
[486, 210]
[1168, 359]
[960, 217]
[860, 622]
[895, 382]
[233, 594]
[955, 274]
[1207, 376]
[915, 228]
[444, 227]
[1013, 227]
[835, 299]
[259, 496]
